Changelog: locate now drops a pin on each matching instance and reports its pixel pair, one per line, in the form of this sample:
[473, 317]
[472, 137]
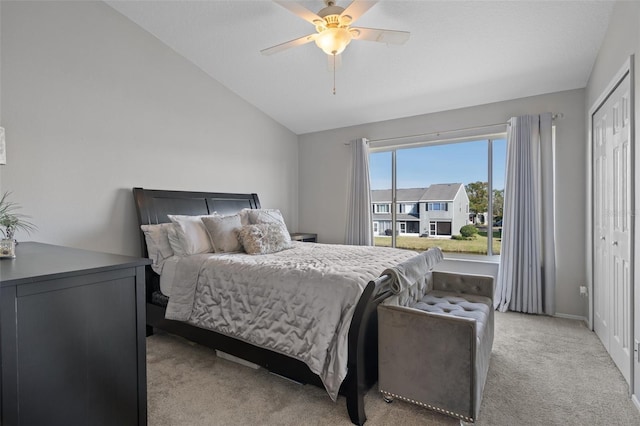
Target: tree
[478, 196]
[498, 203]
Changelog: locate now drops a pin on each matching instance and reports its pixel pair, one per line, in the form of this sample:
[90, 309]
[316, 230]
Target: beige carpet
[544, 371]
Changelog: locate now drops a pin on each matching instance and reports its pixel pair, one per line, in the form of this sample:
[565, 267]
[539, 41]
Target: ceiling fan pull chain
[334, 73]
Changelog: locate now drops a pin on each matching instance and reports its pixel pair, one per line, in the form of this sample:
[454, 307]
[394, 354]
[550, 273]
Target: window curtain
[359, 225]
[526, 277]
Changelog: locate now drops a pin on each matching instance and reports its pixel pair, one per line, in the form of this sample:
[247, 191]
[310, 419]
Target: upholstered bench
[434, 347]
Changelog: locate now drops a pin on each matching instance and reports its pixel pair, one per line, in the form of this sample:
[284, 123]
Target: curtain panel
[359, 226]
[526, 277]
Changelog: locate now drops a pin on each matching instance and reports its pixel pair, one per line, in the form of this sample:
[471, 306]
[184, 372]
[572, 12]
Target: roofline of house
[460, 185]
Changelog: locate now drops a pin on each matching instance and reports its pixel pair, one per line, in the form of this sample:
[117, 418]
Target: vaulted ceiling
[460, 53]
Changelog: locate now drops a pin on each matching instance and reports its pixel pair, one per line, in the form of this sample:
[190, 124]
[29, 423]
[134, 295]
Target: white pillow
[191, 233]
[223, 231]
[158, 246]
[264, 238]
[175, 243]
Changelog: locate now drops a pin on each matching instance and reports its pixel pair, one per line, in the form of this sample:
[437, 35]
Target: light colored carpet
[543, 371]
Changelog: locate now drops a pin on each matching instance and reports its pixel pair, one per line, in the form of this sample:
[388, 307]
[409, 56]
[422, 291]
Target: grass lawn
[476, 246]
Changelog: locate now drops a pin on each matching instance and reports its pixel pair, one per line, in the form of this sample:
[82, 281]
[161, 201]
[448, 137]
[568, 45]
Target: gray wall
[324, 164]
[622, 40]
[94, 105]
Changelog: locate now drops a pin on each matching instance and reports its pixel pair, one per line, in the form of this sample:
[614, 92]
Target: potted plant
[10, 222]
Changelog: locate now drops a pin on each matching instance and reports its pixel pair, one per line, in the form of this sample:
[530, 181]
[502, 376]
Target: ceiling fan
[333, 29]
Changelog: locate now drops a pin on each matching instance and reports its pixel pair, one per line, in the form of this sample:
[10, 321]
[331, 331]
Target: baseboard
[634, 398]
[573, 317]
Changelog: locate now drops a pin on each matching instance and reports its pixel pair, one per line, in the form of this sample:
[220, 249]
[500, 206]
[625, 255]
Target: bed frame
[153, 206]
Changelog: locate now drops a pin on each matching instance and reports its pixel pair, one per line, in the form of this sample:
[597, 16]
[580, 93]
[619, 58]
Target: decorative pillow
[264, 238]
[223, 231]
[192, 234]
[265, 216]
[158, 246]
[244, 216]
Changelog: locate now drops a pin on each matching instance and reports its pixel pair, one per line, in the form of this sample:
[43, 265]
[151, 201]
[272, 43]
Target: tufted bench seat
[434, 349]
[472, 306]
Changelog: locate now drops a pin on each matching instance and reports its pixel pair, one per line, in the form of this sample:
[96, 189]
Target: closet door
[602, 226]
[612, 220]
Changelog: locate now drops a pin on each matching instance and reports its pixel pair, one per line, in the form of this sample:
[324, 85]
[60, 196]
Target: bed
[360, 332]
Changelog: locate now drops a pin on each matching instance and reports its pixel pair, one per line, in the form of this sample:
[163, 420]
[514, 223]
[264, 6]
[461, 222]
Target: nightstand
[304, 236]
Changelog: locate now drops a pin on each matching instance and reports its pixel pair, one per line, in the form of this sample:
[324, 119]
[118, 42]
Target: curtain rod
[557, 116]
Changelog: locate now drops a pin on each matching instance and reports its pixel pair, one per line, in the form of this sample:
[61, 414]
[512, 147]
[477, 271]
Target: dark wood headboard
[153, 206]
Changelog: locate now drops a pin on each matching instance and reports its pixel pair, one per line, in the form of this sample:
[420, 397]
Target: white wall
[622, 40]
[325, 160]
[94, 105]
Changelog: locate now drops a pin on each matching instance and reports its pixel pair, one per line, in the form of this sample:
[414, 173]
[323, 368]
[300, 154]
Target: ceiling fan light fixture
[320, 24]
[345, 20]
[333, 41]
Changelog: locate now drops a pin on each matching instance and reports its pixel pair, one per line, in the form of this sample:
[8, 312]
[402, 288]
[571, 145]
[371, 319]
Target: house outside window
[462, 183]
[412, 216]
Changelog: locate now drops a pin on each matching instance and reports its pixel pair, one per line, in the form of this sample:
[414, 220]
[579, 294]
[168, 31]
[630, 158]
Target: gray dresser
[72, 336]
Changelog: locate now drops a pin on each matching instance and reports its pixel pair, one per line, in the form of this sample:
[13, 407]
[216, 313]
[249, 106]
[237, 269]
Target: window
[441, 228]
[437, 206]
[469, 173]
[382, 208]
[407, 208]
[498, 163]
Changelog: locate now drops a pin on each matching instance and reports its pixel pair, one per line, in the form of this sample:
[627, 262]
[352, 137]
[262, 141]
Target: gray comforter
[298, 302]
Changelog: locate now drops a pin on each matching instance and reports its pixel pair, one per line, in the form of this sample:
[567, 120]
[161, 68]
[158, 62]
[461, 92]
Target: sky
[464, 163]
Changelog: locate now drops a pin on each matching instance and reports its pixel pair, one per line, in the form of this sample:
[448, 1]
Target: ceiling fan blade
[300, 10]
[289, 44]
[330, 61]
[379, 35]
[357, 8]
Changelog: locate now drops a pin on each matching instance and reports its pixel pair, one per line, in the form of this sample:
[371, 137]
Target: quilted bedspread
[298, 302]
